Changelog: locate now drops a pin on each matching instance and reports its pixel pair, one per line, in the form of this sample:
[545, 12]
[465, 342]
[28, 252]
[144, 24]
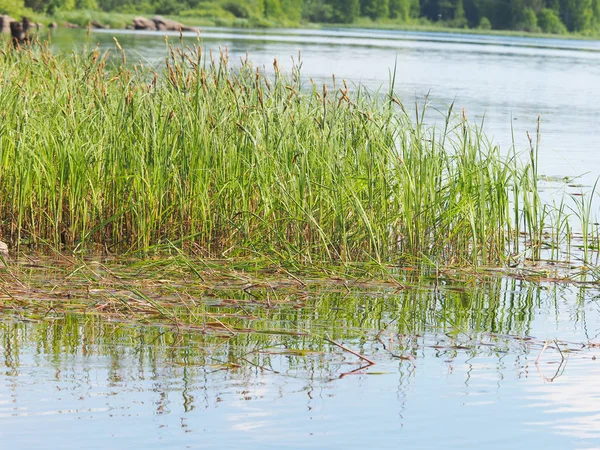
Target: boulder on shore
[5, 22]
[159, 23]
[97, 25]
[163, 24]
[141, 23]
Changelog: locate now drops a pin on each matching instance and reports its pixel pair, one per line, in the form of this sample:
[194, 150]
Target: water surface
[458, 362]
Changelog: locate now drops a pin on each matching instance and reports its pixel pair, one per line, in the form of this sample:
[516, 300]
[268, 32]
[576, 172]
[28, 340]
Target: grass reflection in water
[152, 312]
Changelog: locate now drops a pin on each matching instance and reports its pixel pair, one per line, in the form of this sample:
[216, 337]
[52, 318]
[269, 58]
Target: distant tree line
[551, 16]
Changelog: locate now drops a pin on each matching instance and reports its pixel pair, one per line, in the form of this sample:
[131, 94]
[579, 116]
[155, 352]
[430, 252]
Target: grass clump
[85, 16]
[233, 162]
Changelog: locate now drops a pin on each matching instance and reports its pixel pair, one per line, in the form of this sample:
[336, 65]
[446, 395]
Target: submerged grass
[223, 161]
[228, 319]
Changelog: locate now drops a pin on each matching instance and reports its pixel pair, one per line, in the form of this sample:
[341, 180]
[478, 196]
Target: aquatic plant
[223, 161]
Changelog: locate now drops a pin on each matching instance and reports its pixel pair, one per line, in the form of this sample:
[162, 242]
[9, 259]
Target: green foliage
[210, 10]
[332, 11]
[375, 9]
[345, 11]
[12, 7]
[551, 16]
[320, 12]
[549, 22]
[292, 9]
[53, 6]
[86, 4]
[527, 21]
[239, 10]
[272, 9]
[400, 9]
[449, 11]
[485, 24]
[169, 7]
[577, 15]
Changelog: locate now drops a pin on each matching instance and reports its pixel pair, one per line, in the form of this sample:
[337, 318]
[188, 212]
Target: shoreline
[104, 20]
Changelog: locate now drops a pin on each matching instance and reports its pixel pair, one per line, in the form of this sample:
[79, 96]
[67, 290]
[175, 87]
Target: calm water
[459, 362]
[455, 360]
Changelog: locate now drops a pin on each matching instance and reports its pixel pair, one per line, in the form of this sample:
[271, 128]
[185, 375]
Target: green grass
[214, 14]
[230, 162]
[84, 17]
[122, 20]
[435, 27]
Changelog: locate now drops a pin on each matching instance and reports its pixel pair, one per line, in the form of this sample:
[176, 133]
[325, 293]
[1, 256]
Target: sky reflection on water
[454, 367]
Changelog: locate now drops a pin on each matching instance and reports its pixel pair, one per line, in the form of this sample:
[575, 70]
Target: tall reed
[239, 163]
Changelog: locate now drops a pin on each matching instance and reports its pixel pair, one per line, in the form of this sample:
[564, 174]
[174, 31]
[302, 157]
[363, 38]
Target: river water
[459, 361]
